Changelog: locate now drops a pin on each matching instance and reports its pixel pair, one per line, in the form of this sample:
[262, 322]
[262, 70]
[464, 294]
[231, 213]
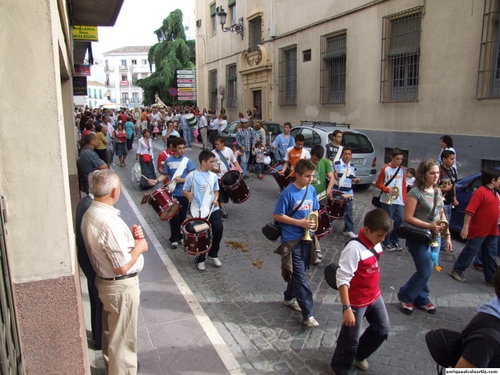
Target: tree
[171, 53]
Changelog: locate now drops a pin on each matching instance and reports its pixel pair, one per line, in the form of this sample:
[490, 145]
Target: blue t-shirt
[289, 198]
[201, 184]
[129, 128]
[171, 165]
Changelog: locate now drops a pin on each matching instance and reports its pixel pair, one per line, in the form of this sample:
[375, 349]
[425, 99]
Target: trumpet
[307, 235]
[442, 233]
[393, 196]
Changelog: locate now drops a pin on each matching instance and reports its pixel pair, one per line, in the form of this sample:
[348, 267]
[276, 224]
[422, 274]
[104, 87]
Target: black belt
[120, 277]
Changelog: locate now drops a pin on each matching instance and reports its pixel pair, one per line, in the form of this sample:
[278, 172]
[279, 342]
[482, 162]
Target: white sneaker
[311, 322]
[216, 261]
[200, 266]
[349, 234]
[318, 254]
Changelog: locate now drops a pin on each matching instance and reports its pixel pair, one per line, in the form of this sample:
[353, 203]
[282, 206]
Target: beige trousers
[120, 301]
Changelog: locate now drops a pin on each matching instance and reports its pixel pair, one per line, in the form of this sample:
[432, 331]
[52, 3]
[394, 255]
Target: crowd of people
[422, 198]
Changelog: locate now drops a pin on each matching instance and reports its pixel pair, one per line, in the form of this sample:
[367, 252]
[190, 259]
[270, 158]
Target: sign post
[186, 85]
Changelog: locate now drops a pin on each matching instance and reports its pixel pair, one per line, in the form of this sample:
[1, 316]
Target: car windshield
[358, 142]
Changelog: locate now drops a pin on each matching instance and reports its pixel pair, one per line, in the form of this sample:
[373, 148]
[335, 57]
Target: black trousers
[176, 221]
[217, 229]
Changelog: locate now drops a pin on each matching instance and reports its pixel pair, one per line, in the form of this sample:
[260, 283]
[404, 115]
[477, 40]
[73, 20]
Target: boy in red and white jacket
[357, 278]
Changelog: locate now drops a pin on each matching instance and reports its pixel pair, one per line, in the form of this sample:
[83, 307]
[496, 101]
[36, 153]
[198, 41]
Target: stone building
[404, 72]
[43, 329]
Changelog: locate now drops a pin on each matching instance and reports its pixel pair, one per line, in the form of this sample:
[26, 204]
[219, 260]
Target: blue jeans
[298, 286]
[260, 167]
[488, 247]
[416, 289]
[188, 135]
[244, 161]
[352, 345]
[396, 213]
[348, 222]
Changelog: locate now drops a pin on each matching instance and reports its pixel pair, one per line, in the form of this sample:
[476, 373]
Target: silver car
[363, 151]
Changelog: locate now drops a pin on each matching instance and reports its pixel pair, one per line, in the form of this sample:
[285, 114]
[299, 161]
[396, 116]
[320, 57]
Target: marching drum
[338, 205]
[324, 227]
[163, 203]
[197, 235]
[235, 187]
[283, 181]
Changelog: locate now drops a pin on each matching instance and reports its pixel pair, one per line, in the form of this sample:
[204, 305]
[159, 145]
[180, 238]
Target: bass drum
[197, 236]
[324, 227]
[163, 203]
[235, 187]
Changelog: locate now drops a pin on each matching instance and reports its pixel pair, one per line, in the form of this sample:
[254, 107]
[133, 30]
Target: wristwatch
[346, 307]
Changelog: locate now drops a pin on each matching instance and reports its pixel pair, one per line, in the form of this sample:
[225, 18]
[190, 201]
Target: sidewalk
[175, 334]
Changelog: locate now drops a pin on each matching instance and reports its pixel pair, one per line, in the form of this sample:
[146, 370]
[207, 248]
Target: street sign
[190, 76]
[185, 72]
[186, 81]
[184, 89]
[173, 91]
[186, 85]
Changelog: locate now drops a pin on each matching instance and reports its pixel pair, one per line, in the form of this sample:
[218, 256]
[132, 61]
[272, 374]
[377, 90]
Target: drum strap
[178, 172]
[344, 176]
[223, 158]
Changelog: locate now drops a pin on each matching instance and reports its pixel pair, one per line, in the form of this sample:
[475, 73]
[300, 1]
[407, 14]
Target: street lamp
[237, 27]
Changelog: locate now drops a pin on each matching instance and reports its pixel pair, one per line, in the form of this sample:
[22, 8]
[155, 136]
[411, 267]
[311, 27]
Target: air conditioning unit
[198, 23]
[218, 9]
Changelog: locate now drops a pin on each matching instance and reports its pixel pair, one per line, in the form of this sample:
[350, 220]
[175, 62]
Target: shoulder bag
[376, 199]
[413, 233]
[272, 230]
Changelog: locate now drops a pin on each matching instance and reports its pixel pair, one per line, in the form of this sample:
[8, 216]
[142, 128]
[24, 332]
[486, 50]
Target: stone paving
[243, 298]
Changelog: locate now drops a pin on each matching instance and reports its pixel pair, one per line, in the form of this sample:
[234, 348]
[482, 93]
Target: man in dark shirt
[447, 180]
[334, 149]
[88, 161]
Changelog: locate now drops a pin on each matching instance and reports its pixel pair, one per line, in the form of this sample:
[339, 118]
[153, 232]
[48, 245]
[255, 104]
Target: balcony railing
[124, 83]
[140, 68]
[124, 68]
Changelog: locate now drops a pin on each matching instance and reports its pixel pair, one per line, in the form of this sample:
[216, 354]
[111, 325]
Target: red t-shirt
[124, 118]
[484, 209]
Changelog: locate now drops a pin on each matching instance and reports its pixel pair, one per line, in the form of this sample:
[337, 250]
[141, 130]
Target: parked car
[363, 156]
[229, 133]
[465, 188]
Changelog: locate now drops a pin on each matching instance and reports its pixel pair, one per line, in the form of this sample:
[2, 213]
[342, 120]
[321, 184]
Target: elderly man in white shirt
[115, 251]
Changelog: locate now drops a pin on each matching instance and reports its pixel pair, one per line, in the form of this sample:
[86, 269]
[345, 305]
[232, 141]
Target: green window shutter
[231, 3]
[212, 11]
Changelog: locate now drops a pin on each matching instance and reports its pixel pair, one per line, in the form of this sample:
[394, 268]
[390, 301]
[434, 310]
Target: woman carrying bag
[144, 155]
[423, 209]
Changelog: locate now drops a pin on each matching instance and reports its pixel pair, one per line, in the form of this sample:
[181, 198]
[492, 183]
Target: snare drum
[197, 235]
[338, 205]
[283, 181]
[163, 203]
[324, 227]
[235, 187]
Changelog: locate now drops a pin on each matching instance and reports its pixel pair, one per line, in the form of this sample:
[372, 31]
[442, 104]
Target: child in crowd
[259, 151]
[156, 131]
[410, 178]
[357, 278]
[237, 153]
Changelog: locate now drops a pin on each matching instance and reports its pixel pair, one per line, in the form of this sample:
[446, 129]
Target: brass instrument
[395, 195]
[442, 233]
[307, 235]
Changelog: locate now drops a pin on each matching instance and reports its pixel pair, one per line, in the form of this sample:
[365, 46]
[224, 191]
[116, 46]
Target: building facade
[123, 67]
[43, 328]
[404, 72]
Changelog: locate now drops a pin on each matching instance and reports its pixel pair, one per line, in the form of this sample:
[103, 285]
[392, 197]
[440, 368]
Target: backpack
[445, 345]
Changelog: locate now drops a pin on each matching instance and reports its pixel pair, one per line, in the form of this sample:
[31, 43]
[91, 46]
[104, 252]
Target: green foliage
[171, 53]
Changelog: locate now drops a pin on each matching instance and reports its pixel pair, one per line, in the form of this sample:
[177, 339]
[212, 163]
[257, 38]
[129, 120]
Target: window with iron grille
[134, 79]
[388, 156]
[124, 97]
[333, 68]
[288, 76]
[232, 101]
[401, 56]
[213, 16]
[488, 83]
[255, 34]
[485, 163]
[212, 88]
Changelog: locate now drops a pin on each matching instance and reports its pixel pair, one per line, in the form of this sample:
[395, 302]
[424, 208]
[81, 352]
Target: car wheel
[364, 186]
